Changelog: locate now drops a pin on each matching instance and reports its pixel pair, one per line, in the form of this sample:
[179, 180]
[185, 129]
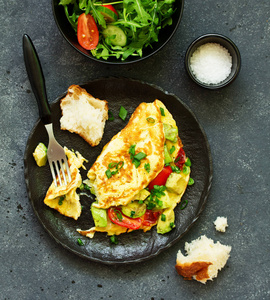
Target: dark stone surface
[236, 121]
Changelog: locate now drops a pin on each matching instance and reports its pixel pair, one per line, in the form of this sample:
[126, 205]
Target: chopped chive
[136, 162]
[191, 181]
[132, 213]
[82, 187]
[112, 165]
[119, 215]
[160, 203]
[172, 149]
[140, 156]
[172, 225]
[163, 217]
[61, 199]
[150, 120]
[108, 173]
[162, 111]
[147, 167]
[123, 113]
[87, 187]
[176, 169]
[188, 162]
[114, 239]
[132, 150]
[80, 242]
[111, 117]
[140, 201]
[186, 170]
[184, 204]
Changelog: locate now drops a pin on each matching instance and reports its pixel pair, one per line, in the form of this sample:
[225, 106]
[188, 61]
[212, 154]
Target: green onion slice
[114, 239]
[184, 204]
[191, 181]
[150, 120]
[188, 162]
[163, 217]
[123, 113]
[162, 111]
[111, 117]
[140, 156]
[172, 149]
[80, 242]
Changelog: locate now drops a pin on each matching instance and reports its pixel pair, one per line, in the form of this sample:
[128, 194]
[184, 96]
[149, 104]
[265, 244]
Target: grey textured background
[236, 121]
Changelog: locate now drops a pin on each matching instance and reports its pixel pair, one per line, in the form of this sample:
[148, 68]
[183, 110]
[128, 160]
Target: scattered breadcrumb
[204, 259]
[221, 224]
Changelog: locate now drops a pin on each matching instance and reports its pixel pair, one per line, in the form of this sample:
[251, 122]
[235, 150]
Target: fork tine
[58, 172]
[63, 172]
[53, 173]
[67, 169]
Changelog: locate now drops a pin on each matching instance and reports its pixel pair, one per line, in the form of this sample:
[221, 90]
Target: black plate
[136, 246]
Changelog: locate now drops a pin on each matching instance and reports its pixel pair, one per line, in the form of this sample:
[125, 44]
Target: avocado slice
[167, 156]
[166, 221]
[177, 182]
[40, 155]
[99, 215]
[170, 132]
[134, 209]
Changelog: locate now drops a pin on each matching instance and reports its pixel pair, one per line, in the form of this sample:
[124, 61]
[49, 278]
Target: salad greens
[140, 20]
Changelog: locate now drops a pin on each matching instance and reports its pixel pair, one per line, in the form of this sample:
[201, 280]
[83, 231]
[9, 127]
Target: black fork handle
[36, 78]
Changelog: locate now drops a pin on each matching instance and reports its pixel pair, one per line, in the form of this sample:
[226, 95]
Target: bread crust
[75, 97]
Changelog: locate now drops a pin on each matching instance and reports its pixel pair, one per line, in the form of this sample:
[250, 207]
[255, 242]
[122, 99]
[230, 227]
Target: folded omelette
[140, 175]
[64, 198]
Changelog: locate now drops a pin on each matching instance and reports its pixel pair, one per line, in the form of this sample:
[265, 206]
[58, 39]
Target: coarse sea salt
[211, 63]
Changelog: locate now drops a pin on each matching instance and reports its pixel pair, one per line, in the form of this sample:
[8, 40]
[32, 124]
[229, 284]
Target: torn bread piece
[83, 114]
[64, 198]
[204, 259]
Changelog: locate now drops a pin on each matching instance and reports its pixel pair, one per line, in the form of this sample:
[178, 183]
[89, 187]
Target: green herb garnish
[123, 113]
[188, 162]
[176, 169]
[61, 199]
[147, 167]
[172, 149]
[191, 181]
[186, 170]
[111, 117]
[150, 120]
[140, 156]
[163, 217]
[162, 111]
[136, 158]
[80, 242]
[183, 204]
[114, 239]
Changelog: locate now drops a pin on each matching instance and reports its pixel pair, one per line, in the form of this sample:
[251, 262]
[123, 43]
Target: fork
[56, 154]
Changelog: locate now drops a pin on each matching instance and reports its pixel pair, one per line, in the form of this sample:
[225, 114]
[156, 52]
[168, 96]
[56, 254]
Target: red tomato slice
[116, 216]
[180, 159]
[109, 6]
[150, 217]
[87, 32]
[161, 178]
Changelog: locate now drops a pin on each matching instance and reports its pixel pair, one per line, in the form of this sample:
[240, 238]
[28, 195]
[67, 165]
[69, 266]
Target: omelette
[65, 198]
[140, 175]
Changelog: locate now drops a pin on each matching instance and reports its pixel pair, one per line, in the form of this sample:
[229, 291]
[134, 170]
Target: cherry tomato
[161, 178]
[116, 216]
[180, 159]
[111, 8]
[87, 32]
[150, 217]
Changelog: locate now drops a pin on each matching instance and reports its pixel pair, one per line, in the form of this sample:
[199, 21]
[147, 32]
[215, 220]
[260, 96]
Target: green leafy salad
[118, 28]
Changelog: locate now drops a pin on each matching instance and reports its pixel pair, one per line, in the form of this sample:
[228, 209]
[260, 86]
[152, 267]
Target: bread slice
[83, 114]
[204, 259]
